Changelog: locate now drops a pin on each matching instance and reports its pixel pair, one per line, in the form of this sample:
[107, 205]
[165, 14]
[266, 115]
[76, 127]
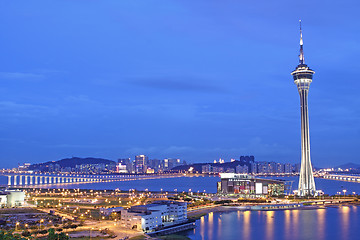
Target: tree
[56, 236]
[10, 236]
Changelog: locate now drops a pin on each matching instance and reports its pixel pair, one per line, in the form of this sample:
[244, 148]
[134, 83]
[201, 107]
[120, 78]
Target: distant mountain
[198, 166]
[349, 165]
[71, 162]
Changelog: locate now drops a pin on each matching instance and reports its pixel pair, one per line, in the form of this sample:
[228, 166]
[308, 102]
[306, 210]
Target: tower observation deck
[302, 78]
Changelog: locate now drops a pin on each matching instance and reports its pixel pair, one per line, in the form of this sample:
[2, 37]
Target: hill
[71, 162]
[349, 165]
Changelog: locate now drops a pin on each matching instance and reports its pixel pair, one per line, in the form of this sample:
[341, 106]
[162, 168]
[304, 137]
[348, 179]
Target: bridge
[339, 177]
[26, 179]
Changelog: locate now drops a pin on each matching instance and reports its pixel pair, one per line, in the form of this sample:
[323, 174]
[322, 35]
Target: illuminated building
[246, 185]
[302, 78]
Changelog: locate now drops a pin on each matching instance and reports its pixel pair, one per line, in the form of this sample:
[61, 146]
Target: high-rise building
[287, 168]
[302, 78]
[170, 163]
[140, 163]
[129, 164]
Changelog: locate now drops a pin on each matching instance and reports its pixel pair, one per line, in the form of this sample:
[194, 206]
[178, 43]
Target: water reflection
[345, 215]
[287, 223]
[269, 225]
[321, 223]
[295, 222]
[219, 226]
[202, 226]
[247, 225]
[211, 224]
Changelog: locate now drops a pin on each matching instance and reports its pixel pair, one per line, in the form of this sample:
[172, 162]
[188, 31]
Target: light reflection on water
[247, 226]
[344, 221]
[287, 218]
[211, 223]
[269, 225]
[320, 224]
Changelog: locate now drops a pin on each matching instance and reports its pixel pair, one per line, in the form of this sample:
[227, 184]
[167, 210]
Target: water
[331, 223]
[196, 183]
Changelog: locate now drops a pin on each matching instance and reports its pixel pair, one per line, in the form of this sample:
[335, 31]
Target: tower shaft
[302, 78]
[306, 179]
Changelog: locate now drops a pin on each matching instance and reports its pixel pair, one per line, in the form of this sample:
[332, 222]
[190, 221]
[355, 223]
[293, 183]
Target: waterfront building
[287, 168]
[230, 170]
[128, 163]
[154, 216]
[3, 200]
[207, 168]
[170, 163]
[12, 198]
[280, 168]
[246, 185]
[120, 168]
[218, 169]
[140, 163]
[253, 167]
[242, 169]
[140, 220]
[155, 164]
[302, 78]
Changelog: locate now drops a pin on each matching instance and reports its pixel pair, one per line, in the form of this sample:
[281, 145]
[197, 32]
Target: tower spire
[301, 56]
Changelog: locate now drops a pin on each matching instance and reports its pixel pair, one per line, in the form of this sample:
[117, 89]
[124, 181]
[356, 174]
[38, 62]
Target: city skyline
[210, 82]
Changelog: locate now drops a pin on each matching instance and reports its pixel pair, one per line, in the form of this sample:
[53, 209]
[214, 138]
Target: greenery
[52, 235]
[56, 236]
[223, 201]
[10, 235]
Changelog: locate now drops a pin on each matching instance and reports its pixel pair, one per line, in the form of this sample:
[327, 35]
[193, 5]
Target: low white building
[121, 168]
[12, 198]
[155, 215]
[109, 211]
[3, 199]
[141, 220]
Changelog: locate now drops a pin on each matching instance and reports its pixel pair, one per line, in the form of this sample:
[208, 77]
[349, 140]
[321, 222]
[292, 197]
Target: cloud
[90, 146]
[171, 83]
[80, 99]
[21, 75]
[14, 109]
[176, 84]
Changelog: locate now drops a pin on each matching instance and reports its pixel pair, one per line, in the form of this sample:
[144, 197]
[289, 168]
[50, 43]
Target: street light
[344, 192]
[42, 220]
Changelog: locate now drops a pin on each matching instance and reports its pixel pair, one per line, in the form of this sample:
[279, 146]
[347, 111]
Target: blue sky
[198, 80]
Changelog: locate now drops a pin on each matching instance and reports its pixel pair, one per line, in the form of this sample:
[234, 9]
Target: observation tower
[302, 78]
